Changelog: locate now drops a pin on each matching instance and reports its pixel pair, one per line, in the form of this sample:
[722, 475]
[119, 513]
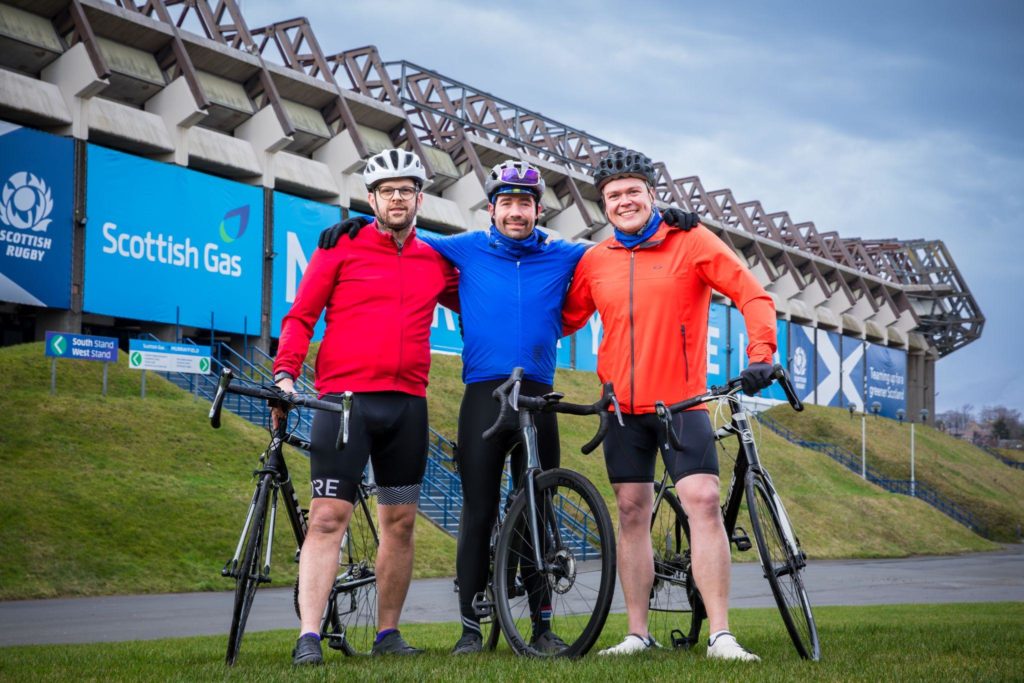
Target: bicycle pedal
[741, 539]
[482, 607]
[335, 641]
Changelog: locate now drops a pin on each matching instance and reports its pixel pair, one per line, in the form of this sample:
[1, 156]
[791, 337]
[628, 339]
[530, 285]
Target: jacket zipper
[401, 310]
[632, 345]
[686, 359]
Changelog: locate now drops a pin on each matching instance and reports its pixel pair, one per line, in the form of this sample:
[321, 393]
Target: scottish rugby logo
[26, 202]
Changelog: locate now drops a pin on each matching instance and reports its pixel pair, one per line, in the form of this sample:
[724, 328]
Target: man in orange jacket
[652, 285]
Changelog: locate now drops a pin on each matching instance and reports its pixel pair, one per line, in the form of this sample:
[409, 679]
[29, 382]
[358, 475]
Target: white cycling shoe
[726, 647]
[630, 645]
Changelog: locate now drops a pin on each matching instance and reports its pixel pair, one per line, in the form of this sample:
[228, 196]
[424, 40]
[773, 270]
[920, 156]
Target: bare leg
[699, 494]
[634, 555]
[394, 561]
[318, 561]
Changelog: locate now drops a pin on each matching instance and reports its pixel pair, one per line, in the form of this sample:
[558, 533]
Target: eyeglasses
[511, 174]
[390, 192]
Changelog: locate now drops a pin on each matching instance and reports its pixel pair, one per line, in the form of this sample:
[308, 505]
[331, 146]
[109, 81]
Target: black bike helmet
[624, 163]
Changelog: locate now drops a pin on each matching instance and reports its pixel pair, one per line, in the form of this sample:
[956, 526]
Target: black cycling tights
[480, 467]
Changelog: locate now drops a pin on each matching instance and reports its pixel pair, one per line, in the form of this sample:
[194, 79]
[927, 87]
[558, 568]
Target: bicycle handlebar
[273, 394]
[510, 399]
[731, 387]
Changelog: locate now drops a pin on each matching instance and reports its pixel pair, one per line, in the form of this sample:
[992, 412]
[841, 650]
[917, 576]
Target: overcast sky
[875, 119]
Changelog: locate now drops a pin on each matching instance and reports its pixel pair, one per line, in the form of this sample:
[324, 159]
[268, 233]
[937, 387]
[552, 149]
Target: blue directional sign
[81, 346]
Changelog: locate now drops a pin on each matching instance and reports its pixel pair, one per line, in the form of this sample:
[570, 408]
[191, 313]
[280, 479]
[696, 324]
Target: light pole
[900, 414]
[913, 480]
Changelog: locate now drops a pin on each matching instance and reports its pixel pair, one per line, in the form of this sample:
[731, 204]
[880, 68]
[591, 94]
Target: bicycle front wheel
[353, 617]
[676, 610]
[570, 593]
[250, 572]
[782, 561]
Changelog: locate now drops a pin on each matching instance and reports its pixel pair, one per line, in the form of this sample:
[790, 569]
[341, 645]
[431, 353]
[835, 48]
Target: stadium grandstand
[166, 170]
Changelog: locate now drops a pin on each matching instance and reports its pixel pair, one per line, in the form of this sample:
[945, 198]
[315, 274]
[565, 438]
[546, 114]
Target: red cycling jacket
[380, 303]
[654, 300]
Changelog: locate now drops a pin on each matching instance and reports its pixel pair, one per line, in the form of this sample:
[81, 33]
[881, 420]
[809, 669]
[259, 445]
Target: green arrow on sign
[135, 360]
[58, 345]
[204, 364]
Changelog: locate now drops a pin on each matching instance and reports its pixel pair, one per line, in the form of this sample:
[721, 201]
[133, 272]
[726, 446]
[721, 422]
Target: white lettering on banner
[165, 250]
[449, 318]
[26, 239]
[713, 333]
[595, 332]
[295, 265]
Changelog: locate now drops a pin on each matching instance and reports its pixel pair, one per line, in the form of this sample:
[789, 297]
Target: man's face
[395, 203]
[515, 215]
[628, 203]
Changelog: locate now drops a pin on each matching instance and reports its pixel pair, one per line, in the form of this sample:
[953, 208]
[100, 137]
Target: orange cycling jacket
[654, 301]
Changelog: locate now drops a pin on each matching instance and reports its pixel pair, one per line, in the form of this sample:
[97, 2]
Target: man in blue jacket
[512, 282]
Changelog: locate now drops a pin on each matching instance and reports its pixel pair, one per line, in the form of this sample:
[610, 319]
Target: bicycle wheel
[353, 617]
[782, 561]
[572, 592]
[676, 610]
[248, 574]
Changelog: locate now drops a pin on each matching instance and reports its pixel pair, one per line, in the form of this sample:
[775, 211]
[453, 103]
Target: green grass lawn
[965, 642]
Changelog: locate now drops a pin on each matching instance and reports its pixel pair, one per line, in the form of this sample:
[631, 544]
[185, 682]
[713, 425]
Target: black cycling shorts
[629, 451]
[388, 427]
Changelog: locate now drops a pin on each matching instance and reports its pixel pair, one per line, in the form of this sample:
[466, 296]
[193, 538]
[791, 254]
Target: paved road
[982, 577]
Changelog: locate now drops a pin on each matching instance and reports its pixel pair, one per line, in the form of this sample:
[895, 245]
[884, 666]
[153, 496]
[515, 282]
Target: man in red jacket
[379, 291]
[651, 283]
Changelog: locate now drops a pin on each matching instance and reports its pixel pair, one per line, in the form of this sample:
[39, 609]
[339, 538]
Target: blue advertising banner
[588, 339]
[738, 341]
[801, 361]
[563, 353]
[828, 369]
[853, 372]
[886, 379]
[172, 245]
[297, 226]
[444, 331]
[81, 346]
[718, 344]
[36, 206]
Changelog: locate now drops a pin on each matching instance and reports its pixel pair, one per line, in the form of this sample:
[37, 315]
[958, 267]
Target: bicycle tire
[353, 601]
[580, 576]
[676, 611]
[248, 574]
[781, 566]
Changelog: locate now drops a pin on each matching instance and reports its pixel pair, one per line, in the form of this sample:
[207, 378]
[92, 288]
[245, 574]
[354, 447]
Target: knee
[327, 522]
[399, 526]
[634, 514]
[702, 504]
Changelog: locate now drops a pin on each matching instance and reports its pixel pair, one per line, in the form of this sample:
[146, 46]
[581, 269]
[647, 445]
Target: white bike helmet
[513, 177]
[391, 164]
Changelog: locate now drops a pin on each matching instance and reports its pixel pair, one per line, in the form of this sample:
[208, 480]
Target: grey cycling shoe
[307, 651]
[468, 644]
[394, 644]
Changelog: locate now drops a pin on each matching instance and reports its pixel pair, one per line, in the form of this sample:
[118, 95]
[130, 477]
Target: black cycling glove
[756, 377]
[678, 218]
[330, 236]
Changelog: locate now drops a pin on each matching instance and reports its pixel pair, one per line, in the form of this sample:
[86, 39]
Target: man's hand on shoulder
[683, 220]
[351, 227]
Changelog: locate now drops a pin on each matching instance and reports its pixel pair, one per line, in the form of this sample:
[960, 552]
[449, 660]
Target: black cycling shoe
[548, 643]
[307, 652]
[394, 644]
[470, 643]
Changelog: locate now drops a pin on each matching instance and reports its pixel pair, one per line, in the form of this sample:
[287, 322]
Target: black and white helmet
[624, 163]
[391, 164]
[513, 177]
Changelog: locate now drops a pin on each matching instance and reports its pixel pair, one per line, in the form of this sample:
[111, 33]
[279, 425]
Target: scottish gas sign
[168, 357]
[36, 204]
[81, 347]
[171, 245]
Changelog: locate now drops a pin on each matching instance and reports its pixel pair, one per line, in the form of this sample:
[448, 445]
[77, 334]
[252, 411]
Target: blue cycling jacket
[511, 293]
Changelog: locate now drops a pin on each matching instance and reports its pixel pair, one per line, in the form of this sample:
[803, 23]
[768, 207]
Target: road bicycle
[349, 621]
[554, 546]
[676, 608]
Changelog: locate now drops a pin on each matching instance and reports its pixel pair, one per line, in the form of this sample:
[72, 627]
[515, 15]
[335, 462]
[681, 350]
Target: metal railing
[853, 462]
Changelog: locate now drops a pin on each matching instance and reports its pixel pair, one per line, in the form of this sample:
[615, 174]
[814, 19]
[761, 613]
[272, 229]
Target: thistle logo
[26, 202]
[800, 362]
[242, 222]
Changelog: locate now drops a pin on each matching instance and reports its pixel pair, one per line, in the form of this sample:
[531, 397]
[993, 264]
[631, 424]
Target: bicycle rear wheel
[676, 610]
[353, 613]
[249, 573]
[572, 592]
[782, 561]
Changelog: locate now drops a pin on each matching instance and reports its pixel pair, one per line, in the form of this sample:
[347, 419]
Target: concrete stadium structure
[188, 83]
